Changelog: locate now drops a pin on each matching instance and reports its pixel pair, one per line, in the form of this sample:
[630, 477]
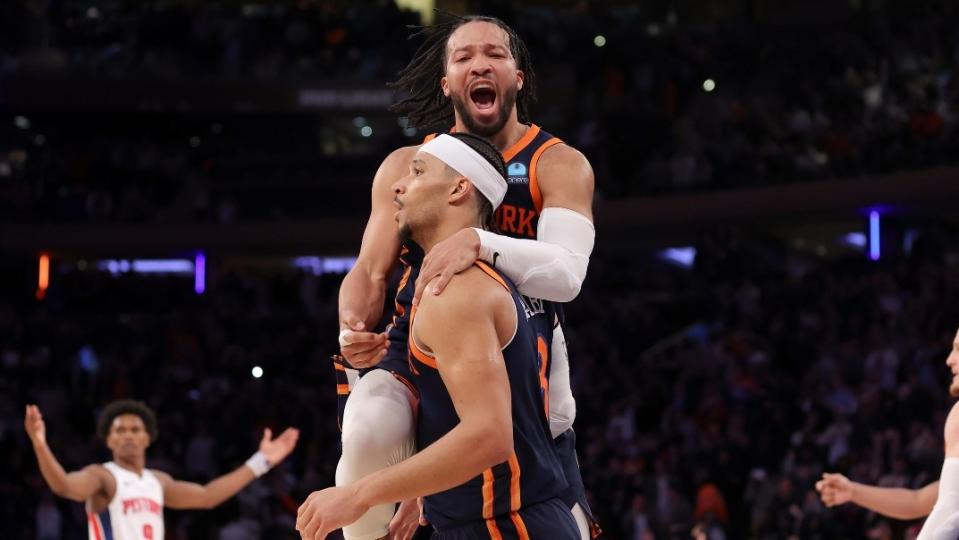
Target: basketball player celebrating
[125, 500]
[472, 74]
[938, 500]
[486, 464]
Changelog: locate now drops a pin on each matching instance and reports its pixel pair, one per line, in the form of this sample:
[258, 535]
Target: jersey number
[148, 532]
[543, 356]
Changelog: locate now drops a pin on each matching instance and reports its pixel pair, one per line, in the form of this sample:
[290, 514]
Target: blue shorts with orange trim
[549, 519]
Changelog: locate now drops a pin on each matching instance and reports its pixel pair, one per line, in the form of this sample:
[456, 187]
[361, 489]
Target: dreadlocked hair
[492, 155]
[423, 102]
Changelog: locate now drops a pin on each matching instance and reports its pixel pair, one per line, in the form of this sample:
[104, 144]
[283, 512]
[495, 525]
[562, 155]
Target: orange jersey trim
[494, 533]
[488, 496]
[491, 273]
[523, 141]
[520, 526]
[515, 501]
[400, 310]
[415, 349]
[342, 389]
[533, 179]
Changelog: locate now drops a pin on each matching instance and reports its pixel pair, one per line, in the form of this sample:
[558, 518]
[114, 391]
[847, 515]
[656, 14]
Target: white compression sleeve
[552, 267]
[562, 405]
[943, 522]
[378, 431]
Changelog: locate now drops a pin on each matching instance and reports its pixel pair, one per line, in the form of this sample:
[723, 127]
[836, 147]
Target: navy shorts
[548, 520]
[565, 445]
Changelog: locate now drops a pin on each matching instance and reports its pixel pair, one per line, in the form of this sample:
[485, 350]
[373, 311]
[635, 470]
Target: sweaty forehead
[477, 34]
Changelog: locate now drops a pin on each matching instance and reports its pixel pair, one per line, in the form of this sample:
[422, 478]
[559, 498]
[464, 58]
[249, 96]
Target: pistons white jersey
[136, 510]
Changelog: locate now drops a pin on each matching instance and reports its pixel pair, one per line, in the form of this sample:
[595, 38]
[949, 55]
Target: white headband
[468, 162]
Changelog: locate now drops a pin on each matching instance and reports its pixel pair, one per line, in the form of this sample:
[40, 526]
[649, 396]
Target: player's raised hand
[33, 423]
[277, 449]
[326, 511]
[834, 489]
[445, 260]
[361, 349]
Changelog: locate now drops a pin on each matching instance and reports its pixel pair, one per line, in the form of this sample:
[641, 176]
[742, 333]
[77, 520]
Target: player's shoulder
[163, 477]
[563, 161]
[397, 161]
[563, 154]
[99, 470]
[472, 289]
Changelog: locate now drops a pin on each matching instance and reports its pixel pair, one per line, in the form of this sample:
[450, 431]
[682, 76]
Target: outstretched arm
[551, 267]
[484, 435]
[182, 495]
[78, 485]
[897, 503]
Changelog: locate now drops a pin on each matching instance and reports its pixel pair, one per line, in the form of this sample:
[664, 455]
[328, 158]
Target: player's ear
[445, 86]
[460, 190]
[520, 77]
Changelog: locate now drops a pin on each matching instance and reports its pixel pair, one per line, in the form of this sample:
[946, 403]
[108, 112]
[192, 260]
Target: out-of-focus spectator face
[481, 78]
[953, 362]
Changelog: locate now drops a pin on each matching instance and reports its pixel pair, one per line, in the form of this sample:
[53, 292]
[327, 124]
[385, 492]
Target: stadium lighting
[43, 278]
[257, 372]
[599, 40]
[709, 85]
[199, 273]
[874, 249]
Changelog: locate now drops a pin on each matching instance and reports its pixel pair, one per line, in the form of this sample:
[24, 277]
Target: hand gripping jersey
[533, 473]
[136, 510]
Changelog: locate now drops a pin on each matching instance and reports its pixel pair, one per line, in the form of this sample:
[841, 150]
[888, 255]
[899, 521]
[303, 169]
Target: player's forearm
[551, 267]
[898, 503]
[362, 293]
[460, 455]
[53, 473]
[226, 486]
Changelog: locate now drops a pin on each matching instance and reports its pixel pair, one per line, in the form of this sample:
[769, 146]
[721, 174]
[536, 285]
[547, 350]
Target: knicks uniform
[136, 510]
[517, 216]
[516, 499]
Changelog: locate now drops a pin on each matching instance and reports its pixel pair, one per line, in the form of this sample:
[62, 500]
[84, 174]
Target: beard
[405, 233]
[472, 126]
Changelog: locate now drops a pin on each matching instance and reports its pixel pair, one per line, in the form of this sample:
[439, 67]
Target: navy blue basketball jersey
[411, 257]
[533, 474]
[518, 215]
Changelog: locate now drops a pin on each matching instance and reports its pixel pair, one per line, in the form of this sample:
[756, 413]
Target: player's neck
[444, 231]
[134, 465]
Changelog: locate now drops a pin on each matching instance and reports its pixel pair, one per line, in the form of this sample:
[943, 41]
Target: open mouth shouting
[482, 95]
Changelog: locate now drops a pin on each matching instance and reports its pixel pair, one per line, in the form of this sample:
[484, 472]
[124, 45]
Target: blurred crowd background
[722, 358]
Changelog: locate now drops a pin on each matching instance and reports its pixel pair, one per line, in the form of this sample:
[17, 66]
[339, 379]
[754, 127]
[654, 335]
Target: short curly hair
[127, 406]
